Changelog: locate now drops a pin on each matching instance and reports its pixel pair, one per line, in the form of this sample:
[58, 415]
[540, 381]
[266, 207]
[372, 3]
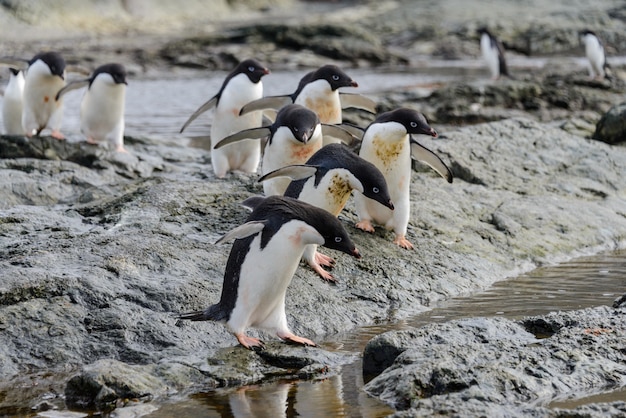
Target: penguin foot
[323, 260]
[56, 134]
[120, 148]
[250, 343]
[401, 241]
[291, 338]
[365, 225]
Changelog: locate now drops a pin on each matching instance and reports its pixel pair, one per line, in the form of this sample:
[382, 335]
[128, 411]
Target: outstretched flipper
[206, 106]
[254, 133]
[73, 85]
[357, 101]
[423, 154]
[294, 172]
[242, 231]
[337, 131]
[269, 102]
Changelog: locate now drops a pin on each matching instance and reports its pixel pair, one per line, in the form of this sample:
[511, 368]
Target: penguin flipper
[423, 154]
[19, 63]
[337, 131]
[252, 202]
[73, 85]
[357, 101]
[206, 106]
[254, 133]
[78, 69]
[269, 102]
[242, 231]
[294, 172]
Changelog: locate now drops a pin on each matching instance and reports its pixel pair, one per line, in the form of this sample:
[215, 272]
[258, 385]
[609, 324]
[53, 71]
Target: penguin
[327, 180]
[102, 105]
[293, 138]
[493, 53]
[595, 54]
[387, 143]
[262, 262]
[45, 76]
[241, 86]
[319, 91]
[13, 103]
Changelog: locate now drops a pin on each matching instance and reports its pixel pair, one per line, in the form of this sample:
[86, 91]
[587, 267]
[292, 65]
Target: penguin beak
[305, 138]
[354, 84]
[390, 205]
[266, 71]
[433, 133]
[355, 253]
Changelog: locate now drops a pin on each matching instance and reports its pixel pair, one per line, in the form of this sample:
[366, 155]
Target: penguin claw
[291, 338]
[365, 225]
[250, 343]
[324, 260]
[401, 241]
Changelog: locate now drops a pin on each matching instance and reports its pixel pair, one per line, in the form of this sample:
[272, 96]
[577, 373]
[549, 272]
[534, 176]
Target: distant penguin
[293, 138]
[327, 180]
[241, 86]
[12, 103]
[595, 54]
[493, 54]
[319, 91]
[387, 143]
[102, 106]
[262, 262]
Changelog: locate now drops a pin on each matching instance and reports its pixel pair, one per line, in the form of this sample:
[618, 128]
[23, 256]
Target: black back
[300, 120]
[412, 120]
[334, 156]
[331, 73]
[117, 71]
[54, 60]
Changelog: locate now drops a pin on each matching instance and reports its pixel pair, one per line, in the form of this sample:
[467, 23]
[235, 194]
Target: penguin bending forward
[102, 105]
[387, 143]
[327, 180]
[241, 86]
[262, 261]
[293, 138]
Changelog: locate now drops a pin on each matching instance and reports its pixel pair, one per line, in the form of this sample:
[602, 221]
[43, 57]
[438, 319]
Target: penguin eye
[251, 69]
[413, 124]
[338, 239]
[335, 77]
[375, 190]
[295, 129]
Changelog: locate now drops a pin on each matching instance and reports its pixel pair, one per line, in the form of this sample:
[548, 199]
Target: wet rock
[484, 363]
[612, 126]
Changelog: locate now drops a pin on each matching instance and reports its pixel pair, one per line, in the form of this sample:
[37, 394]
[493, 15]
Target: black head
[373, 181]
[53, 60]
[483, 30]
[252, 68]
[587, 32]
[412, 120]
[14, 71]
[300, 120]
[331, 73]
[117, 72]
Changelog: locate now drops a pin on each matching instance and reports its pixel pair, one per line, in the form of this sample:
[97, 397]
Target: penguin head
[373, 183]
[54, 62]
[412, 120]
[252, 68]
[14, 71]
[302, 122]
[335, 77]
[330, 228]
[116, 73]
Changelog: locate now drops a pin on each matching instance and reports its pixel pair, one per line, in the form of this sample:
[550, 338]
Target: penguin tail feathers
[212, 313]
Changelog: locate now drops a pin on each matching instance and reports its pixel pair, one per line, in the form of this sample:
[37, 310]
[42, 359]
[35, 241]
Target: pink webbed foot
[289, 337]
[56, 134]
[320, 260]
[250, 343]
[401, 241]
[365, 225]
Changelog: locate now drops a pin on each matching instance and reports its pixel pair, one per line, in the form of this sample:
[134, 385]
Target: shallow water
[577, 284]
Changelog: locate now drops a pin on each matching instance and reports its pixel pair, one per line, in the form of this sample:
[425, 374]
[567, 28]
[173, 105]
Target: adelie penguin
[327, 180]
[262, 262]
[293, 138]
[493, 54]
[241, 86]
[388, 144]
[45, 76]
[319, 91]
[12, 103]
[594, 50]
[102, 105]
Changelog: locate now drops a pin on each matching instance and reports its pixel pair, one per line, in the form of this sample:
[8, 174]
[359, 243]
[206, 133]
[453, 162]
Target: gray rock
[611, 128]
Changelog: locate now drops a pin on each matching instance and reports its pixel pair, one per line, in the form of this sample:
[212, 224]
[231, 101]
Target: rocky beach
[100, 251]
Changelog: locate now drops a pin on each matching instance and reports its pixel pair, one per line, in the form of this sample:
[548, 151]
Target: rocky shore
[100, 251]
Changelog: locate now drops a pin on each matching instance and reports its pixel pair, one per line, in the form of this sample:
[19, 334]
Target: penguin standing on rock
[102, 106]
[262, 262]
[387, 143]
[45, 76]
[594, 50]
[12, 103]
[319, 91]
[241, 86]
[493, 54]
[293, 138]
[327, 180]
